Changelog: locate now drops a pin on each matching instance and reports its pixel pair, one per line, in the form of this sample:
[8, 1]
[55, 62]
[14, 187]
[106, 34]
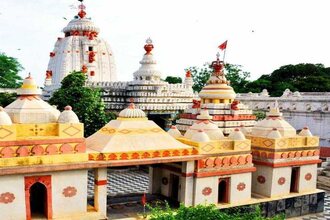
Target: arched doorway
[38, 200]
[223, 190]
[38, 197]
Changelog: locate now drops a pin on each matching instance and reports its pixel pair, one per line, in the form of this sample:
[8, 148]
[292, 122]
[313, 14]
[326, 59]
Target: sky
[262, 34]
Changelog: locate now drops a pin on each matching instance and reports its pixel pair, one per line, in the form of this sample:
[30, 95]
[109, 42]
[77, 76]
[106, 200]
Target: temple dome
[174, 132]
[200, 136]
[68, 116]
[4, 118]
[217, 87]
[305, 132]
[236, 135]
[273, 120]
[132, 112]
[29, 107]
[204, 124]
[81, 24]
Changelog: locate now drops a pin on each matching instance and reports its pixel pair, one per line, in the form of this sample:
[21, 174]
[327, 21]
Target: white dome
[273, 120]
[274, 134]
[132, 112]
[4, 118]
[305, 132]
[208, 127]
[174, 132]
[200, 136]
[81, 24]
[68, 116]
[236, 135]
[29, 108]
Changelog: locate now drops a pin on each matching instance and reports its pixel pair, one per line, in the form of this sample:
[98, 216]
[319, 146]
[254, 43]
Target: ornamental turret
[148, 70]
[217, 89]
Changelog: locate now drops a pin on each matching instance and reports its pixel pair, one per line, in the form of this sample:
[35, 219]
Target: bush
[207, 212]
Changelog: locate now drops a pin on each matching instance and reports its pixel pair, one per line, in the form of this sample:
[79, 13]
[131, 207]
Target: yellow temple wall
[7, 132]
[219, 146]
[286, 142]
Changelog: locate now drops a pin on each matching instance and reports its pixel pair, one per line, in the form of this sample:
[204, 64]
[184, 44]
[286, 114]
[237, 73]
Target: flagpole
[224, 55]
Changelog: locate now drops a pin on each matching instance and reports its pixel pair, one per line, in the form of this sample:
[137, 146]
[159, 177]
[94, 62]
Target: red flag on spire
[144, 199]
[223, 45]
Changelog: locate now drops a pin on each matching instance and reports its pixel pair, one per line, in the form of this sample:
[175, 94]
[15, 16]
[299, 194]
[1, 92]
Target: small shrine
[219, 98]
[38, 144]
[286, 162]
[224, 175]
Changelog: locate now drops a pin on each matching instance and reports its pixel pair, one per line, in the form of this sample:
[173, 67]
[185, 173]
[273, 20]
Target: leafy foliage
[303, 77]
[259, 114]
[173, 79]
[210, 212]
[9, 69]
[7, 98]
[86, 102]
[234, 73]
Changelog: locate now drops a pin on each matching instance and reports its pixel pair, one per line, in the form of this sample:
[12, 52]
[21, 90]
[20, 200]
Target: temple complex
[45, 162]
[81, 49]
[219, 98]
[299, 109]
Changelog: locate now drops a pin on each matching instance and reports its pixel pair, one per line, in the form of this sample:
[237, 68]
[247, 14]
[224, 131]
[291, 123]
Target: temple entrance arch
[38, 197]
[38, 200]
[223, 190]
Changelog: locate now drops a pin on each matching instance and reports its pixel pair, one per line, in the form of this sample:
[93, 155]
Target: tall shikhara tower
[81, 50]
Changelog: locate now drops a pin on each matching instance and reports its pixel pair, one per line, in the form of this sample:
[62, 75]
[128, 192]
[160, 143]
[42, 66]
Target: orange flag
[144, 199]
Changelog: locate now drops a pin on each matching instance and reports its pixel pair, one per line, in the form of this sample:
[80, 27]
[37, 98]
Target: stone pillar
[155, 176]
[100, 190]
[187, 183]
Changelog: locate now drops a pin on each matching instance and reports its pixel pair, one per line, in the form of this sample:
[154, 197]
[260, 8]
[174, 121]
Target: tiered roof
[219, 98]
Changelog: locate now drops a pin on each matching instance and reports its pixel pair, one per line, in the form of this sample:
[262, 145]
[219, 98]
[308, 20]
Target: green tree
[237, 77]
[303, 77]
[86, 102]
[9, 78]
[9, 69]
[173, 79]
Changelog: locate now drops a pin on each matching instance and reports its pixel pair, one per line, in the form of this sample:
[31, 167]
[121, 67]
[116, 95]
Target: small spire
[149, 46]
[274, 111]
[188, 73]
[217, 66]
[131, 104]
[82, 7]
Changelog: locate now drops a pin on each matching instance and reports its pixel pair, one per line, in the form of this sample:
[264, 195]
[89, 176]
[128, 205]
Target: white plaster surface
[305, 185]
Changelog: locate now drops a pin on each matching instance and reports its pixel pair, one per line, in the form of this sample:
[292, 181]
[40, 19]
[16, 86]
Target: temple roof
[217, 87]
[273, 122]
[130, 133]
[29, 107]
